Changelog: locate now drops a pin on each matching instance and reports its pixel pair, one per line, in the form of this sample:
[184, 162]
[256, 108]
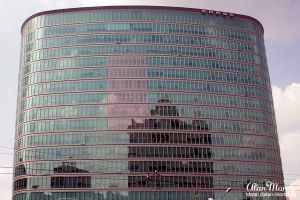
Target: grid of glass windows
[143, 103]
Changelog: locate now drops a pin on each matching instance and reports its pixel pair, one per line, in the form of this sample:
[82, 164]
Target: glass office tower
[142, 102]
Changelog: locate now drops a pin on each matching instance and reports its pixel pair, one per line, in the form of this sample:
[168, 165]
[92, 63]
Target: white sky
[282, 37]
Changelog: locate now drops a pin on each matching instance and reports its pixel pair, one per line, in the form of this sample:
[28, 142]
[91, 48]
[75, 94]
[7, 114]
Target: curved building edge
[146, 7]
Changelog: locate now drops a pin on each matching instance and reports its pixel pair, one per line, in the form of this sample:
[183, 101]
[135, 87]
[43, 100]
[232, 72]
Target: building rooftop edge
[137, 7]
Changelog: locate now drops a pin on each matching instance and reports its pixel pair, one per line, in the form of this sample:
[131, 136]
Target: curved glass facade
[143, 103]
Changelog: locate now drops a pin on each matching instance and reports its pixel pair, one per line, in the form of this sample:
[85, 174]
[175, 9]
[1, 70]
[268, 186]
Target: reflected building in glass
[143, 102]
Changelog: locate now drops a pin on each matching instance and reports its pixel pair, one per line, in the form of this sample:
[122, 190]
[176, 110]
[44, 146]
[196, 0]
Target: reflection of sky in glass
[115, 109]
[114, 129]
[120, 110]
